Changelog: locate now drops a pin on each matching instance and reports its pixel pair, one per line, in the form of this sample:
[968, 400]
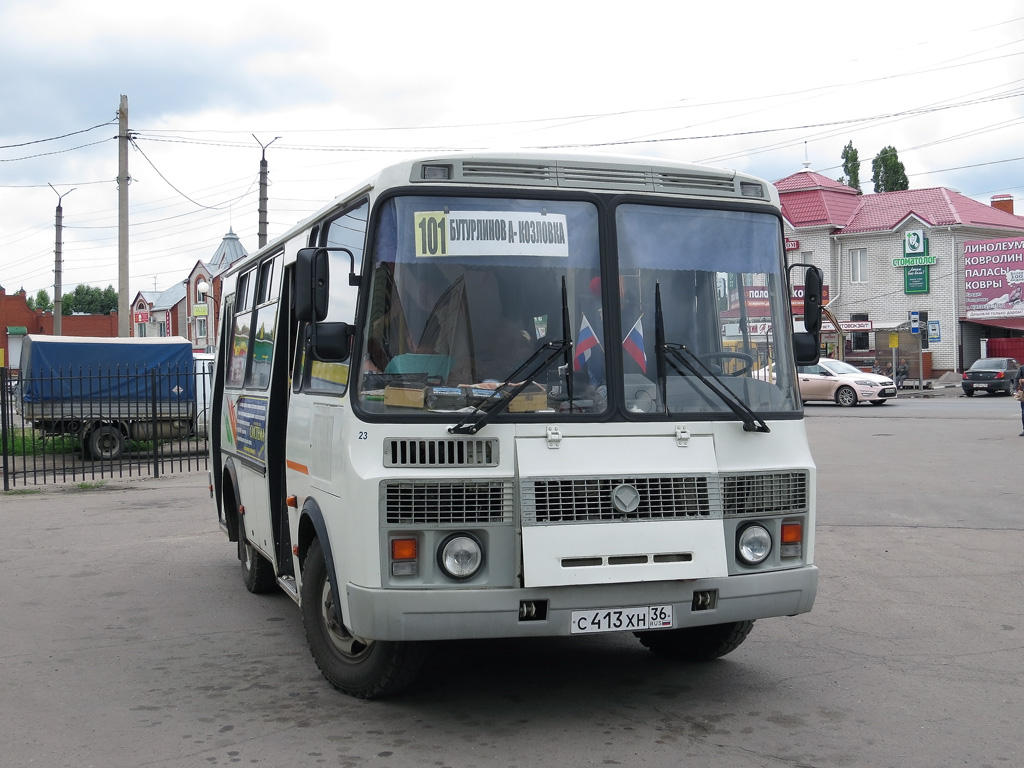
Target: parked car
[990, 374]
[842, 383]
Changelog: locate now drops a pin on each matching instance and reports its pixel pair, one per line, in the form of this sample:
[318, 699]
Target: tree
[41, 301]
[851, 168]
[887, 171]
[89, 301]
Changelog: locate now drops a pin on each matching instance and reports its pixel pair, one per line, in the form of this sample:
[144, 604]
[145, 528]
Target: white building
[877, 270]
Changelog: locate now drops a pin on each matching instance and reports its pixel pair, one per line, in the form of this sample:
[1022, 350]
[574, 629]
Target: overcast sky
[350, 86]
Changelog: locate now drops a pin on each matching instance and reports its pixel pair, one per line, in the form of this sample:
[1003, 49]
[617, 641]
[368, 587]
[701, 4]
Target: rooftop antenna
[807, 162]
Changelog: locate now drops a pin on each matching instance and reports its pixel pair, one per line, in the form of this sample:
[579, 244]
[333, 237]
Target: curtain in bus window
[713, 241]
[487, 233]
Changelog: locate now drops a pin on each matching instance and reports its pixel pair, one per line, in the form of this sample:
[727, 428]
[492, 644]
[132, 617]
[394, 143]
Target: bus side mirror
[806, 348]
[332, 342]
[312, 284]
[812, 300]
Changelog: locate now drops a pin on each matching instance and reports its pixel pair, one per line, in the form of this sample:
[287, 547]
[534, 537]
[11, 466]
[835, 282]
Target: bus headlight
[754, 544]
[460, 556]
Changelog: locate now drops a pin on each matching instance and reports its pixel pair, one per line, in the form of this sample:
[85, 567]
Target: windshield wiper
[481, 414]
[674, 355]
[502, 396]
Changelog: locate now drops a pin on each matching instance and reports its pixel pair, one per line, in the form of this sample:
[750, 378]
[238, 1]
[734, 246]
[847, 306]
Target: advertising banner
[994, 278]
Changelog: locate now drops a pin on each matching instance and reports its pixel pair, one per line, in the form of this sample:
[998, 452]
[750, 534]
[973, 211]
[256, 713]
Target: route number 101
[431, 229]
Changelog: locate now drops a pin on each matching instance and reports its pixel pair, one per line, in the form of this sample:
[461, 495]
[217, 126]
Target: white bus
[521, 395]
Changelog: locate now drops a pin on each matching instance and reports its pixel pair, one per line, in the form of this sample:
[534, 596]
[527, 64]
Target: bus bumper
[422, 614]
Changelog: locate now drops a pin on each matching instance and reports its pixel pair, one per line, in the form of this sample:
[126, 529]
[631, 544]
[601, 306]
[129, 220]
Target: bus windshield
[463, 290]
[723, 298]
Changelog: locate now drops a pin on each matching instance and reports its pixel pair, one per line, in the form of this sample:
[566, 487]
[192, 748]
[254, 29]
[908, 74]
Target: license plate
[889, 392]
[980, 385]
[635, 619]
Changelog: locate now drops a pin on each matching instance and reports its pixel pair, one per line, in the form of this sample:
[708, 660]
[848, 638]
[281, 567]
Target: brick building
[17, 320]
[888, 253]
[185, 309]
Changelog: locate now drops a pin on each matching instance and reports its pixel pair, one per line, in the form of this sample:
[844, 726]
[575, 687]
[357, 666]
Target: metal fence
[83, 426]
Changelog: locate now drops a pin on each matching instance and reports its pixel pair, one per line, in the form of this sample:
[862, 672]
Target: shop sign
[915, 279]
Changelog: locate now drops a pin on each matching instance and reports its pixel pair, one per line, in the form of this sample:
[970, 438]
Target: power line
[56, 138]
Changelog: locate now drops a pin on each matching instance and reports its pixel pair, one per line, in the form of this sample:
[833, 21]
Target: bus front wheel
[697, 643]
[367, 669]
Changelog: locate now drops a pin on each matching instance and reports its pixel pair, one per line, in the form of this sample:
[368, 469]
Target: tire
[257, 571]
[106, 442]
[878, 402]
[969, 393]
[366, 669]
[697, 643]
[845, 396]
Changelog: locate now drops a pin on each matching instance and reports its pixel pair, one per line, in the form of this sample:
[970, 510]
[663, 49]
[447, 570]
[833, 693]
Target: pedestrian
[1018, 393]
[888, 370]
[902, 371]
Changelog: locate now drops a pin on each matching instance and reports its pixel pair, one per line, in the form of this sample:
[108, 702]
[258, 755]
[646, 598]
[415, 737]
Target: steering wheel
[747, 360]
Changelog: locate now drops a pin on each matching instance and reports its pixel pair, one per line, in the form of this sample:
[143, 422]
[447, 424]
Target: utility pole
[124, 316]
[58, 260]
[263, 189]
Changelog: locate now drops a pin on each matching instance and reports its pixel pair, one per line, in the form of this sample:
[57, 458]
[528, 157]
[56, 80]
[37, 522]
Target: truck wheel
[367, 669]
[697, 643]
[106, 442]
[257, 572]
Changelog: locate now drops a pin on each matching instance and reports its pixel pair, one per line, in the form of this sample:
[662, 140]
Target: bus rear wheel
[697, 643]
[367, 669]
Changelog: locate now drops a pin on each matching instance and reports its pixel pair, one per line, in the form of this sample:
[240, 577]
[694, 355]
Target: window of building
[161, 329]
[200, 295]
[200, 328]
[858, 265]
[860, 342]
[140, 329]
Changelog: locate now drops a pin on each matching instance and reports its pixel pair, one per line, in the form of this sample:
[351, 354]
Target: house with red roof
[189, 308]
[886, 254]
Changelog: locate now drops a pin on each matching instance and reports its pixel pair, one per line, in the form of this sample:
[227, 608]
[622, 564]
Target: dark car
[990, 374]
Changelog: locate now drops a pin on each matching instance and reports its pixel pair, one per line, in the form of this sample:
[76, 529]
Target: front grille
[420, 502]
[764, 493]
[586, 499]
[442, 452]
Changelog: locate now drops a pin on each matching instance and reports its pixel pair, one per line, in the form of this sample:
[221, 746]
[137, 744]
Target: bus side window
[261, 348]
[346, 231]
[240, 329]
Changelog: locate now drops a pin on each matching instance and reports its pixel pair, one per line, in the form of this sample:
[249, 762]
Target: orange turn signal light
[403, 549]
[792, 533]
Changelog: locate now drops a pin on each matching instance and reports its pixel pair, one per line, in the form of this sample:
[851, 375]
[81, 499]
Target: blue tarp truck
[107, 391]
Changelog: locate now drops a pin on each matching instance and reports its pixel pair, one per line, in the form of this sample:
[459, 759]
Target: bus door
[256, 393]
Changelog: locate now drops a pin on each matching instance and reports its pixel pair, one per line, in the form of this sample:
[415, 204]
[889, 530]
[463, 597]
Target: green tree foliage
[887, 171]
[41, 301]
[851, 168]
[89, 301]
